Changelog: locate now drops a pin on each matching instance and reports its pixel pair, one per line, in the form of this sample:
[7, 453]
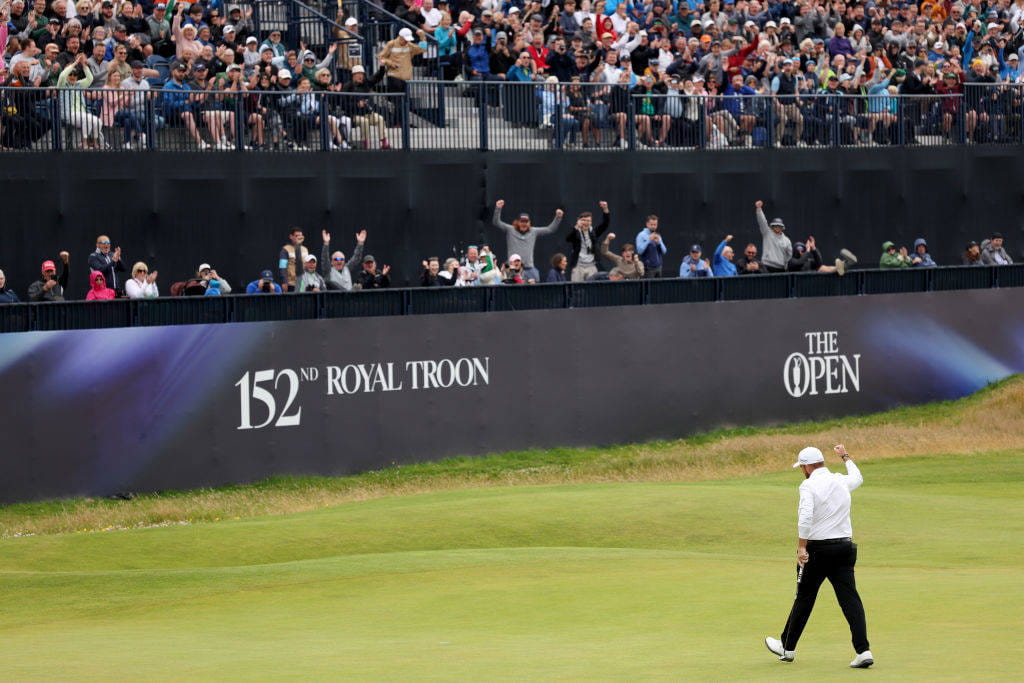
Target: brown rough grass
[992, 420]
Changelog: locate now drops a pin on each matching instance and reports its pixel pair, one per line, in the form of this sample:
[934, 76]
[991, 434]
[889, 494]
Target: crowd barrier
[438, 300]
[498, 115]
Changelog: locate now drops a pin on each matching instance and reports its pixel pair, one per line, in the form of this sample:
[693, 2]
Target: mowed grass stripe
[538, 613]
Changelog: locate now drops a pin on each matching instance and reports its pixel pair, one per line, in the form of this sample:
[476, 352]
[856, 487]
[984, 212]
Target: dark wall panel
[175, 210]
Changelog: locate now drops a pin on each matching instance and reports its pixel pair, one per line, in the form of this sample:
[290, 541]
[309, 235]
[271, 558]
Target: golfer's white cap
[809, 456]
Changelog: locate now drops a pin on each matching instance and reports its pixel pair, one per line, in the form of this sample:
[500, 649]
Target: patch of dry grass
[989, 421]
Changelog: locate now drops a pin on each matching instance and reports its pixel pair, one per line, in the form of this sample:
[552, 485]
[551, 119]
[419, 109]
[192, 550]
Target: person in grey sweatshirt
[776, 250]
[521, 237]
[336, 269]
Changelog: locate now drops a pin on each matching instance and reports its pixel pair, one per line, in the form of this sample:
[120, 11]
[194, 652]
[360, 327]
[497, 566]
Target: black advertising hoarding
[94, 412]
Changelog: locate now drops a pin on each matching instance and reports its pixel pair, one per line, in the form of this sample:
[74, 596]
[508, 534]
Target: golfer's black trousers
[832, 561]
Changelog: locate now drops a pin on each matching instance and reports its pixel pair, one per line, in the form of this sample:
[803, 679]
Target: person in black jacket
[584, 240]
[363, 111]
[51, 286]
[369, 278]
[108, 262]
[915, 83]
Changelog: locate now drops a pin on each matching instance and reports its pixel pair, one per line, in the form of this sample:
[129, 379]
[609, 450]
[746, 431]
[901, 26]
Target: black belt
[830, 541]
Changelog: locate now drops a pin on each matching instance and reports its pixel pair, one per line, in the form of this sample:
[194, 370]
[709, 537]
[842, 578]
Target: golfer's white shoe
[863, 660]
[775, 646]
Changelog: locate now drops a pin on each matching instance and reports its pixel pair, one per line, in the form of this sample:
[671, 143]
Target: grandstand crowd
[731, 72]
[588, 255]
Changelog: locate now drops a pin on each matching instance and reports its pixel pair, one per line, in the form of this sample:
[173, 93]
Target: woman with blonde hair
[143, 283]
[115, 107]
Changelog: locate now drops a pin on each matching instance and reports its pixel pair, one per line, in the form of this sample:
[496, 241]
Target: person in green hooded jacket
[892, 259]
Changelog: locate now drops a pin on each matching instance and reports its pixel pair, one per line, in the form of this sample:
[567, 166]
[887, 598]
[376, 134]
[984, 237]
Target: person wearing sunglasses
[335, 270]
[143, 283]
[108, 262]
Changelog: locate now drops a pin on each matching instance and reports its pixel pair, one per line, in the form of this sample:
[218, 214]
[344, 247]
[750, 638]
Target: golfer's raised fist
[500, 203]
[840, 450]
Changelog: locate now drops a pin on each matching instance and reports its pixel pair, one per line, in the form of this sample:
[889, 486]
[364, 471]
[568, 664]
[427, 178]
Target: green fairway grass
[648, 580]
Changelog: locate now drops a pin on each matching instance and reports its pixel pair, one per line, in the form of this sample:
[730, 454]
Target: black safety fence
[490, 114]
[189, 310]
[226, 117]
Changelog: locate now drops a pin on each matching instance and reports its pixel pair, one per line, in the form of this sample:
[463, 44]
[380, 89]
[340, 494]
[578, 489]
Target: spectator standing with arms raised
[521, 237]
[336, 269]
[107, 262]
[651, 248]
[583, 239]
[776, 249]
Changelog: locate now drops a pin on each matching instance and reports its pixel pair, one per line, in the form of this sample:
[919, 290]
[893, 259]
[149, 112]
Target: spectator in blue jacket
[7, 296]
[694, 266]
[922, 259]
[264, 285]
[722, 263]
[651, 248]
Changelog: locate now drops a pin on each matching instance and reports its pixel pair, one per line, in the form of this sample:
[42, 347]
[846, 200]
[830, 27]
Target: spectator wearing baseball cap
[311, 281]
[694, 266]
[971, 255]
[776, 248]
[264, 284]
[993, 253]
[208, 275]
[369, 278]
[397, 57]
[50, 286]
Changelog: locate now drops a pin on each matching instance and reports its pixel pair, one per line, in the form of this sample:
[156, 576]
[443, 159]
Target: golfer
[825, 550]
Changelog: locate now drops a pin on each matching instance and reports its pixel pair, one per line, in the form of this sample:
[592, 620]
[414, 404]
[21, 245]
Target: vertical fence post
[901, 121]
[769, 122]
[631, 123]
[557, 115]
[58, 126]
[239, 124]
[150, 108]
[406, 114]
[481, 105]
[325, 135]
[961, 116]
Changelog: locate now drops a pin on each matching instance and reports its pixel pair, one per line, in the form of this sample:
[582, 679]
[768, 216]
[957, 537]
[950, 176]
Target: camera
[266, 287]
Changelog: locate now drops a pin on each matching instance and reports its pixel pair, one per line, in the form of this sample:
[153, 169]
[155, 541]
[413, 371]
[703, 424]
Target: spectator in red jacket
[99, 289]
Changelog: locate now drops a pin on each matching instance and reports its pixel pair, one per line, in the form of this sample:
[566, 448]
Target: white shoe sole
[863, 665]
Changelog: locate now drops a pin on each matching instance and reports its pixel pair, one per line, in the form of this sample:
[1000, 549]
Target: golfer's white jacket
[824, 510]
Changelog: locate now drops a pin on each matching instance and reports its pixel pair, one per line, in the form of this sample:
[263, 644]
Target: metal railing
[37, 119]
[188, 310]
[500, 115]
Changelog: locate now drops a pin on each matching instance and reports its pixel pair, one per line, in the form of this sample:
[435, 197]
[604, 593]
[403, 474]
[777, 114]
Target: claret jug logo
[822, 370]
